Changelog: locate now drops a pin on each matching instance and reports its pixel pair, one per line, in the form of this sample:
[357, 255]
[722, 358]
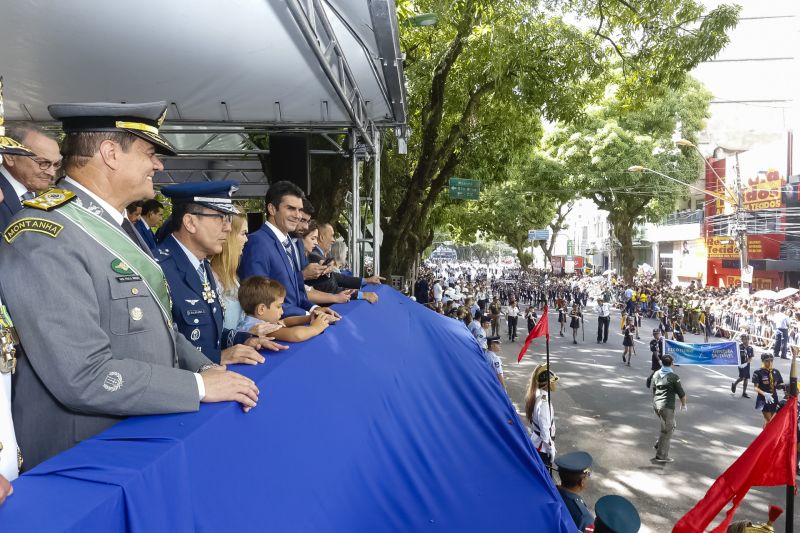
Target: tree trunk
[624, 232]
[548, 253]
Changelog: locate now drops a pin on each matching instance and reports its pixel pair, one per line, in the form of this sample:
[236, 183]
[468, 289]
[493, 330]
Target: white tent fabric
[216, 62]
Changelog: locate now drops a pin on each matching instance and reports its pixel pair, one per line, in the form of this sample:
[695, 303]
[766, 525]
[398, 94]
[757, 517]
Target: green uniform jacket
[665, 387]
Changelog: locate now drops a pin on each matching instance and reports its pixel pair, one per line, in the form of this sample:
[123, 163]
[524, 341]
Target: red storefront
[761, 193]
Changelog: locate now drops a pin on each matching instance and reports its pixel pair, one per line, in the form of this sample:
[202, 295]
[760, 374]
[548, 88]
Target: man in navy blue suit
[200, 223]
[23, 177]
[272, 253]
[151, 217]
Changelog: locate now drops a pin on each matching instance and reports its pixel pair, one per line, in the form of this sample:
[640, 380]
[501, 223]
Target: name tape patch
[39, 225]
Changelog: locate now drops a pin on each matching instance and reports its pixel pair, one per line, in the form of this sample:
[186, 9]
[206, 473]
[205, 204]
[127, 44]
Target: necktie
[28, 196]
[287, 245]
[132, 233]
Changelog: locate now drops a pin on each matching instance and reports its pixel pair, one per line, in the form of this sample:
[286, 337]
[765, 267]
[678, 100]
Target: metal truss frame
[313, 23]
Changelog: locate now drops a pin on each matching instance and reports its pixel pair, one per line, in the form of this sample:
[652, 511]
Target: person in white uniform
[10, 458]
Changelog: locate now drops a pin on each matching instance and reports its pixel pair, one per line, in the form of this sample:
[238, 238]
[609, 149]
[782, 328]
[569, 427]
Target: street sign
[464, 189]
[538, 234]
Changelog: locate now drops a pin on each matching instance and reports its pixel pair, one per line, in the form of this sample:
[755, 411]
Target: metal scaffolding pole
[376, 207]
[355, 219]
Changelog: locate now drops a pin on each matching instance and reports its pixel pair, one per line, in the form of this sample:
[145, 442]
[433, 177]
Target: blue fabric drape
[389, 421]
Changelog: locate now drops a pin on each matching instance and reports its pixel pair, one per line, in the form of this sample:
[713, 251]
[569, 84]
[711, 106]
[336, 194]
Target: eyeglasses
[225, 218]
[45, 164]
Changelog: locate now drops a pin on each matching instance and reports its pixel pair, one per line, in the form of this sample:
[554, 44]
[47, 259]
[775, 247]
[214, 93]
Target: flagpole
[789, 488]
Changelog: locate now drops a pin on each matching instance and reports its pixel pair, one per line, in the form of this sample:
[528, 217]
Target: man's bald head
[326, 237]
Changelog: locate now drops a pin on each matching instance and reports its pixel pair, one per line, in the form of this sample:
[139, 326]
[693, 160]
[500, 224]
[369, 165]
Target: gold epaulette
[51, 199]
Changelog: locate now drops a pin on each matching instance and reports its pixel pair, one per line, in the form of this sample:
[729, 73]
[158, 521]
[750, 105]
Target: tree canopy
[597, 152]
[481, 81]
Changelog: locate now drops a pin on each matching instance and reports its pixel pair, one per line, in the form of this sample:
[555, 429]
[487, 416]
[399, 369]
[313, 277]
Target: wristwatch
[206, 367]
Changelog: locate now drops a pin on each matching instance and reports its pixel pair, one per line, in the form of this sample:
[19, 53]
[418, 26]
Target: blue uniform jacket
[10, 205]
[265, 256]
[577, 509]
[147, 235]
[198, 320]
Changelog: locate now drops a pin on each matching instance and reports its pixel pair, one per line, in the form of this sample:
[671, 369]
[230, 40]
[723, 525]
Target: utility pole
[741, 224]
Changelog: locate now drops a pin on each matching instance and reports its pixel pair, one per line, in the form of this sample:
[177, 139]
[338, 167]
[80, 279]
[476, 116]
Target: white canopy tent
[228, 69]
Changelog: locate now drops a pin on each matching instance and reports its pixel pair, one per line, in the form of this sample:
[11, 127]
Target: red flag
[768, 461]
[538, 330]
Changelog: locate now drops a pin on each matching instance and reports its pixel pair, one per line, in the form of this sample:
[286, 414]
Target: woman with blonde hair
[539, 412]
[225, 264]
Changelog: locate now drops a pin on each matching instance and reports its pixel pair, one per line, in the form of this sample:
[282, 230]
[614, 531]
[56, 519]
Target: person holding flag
[539, 412]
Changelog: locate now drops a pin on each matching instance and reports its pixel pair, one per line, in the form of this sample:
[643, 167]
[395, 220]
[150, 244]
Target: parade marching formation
[761, 329]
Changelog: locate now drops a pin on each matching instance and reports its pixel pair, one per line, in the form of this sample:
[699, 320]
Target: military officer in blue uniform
[200, 222]
[574, 470]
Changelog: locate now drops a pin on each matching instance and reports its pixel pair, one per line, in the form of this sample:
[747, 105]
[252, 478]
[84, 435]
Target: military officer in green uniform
[91, 307]
[574, 470]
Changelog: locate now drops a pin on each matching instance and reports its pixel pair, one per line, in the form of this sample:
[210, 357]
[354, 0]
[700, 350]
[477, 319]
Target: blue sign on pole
[538, 234]
[720, 353]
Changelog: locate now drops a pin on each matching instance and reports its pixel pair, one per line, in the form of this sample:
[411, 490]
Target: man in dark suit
[325, 240]
[152, 216]
[23, 177]
[271, 252]
[335, 282]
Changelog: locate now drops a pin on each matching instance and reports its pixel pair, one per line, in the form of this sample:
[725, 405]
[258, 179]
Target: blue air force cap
[574, 462]
[616, 514]
[493, 340]
[215, 195]
[142, 120]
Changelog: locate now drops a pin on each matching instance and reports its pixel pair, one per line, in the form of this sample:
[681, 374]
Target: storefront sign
[764, 191]
[758, 247]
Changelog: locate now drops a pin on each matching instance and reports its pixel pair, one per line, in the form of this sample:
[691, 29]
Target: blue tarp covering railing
[389, 421]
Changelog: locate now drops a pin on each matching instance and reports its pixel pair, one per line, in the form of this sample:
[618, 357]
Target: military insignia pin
[120, 267]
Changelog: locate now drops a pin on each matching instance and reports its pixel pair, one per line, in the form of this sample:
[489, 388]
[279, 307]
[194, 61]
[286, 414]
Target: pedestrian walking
[603, 319]
[781, 323]
[494, 312]
[575, 317]
[766, 382]
[656, 353]
[666, 385]
[531, 317]
[562, 315]
[745, 356]
[628, 332]
[512, 315]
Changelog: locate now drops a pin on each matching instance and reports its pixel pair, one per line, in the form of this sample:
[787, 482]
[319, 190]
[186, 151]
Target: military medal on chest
[8, 338]
[209, 294]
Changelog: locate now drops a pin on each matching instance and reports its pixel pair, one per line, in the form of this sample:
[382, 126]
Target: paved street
[603, 407]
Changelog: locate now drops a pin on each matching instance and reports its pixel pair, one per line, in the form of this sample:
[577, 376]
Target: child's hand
[321, 321]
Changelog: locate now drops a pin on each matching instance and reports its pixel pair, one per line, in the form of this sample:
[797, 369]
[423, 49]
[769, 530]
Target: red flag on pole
[768, 461]
[539, 330]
